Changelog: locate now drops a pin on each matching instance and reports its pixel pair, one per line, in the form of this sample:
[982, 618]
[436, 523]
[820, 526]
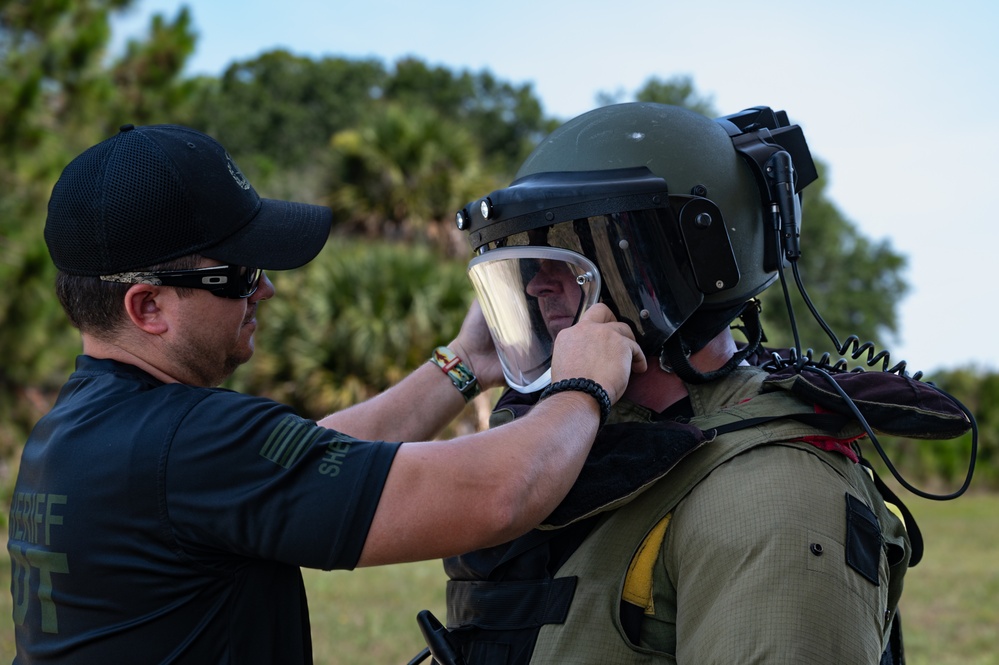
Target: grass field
[950, 606]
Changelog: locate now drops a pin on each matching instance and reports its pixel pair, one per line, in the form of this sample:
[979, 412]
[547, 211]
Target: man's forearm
[443, 498]
[415, 409]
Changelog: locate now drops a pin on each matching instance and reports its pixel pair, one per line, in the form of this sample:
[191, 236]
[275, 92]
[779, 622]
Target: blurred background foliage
[395, 150]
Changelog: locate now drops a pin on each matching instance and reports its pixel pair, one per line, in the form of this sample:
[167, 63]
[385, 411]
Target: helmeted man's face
[558, 295]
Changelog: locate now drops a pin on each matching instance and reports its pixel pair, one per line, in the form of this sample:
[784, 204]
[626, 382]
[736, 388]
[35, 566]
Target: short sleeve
[246, 476]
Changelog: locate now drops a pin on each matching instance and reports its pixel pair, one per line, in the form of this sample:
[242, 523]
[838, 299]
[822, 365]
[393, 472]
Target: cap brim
[282, 235]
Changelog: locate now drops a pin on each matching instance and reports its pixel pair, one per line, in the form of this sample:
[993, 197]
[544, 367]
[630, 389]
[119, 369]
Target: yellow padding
[638, 581]
[891, 506]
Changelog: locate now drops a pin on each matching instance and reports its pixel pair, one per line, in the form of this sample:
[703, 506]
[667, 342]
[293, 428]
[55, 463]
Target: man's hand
[474, 345]
[601, 348]
[506, 479]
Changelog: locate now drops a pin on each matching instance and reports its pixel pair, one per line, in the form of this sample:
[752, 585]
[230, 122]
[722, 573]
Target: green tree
[57, 97]
[353, 322]
[505, 120]
[405, 171]
[147, 79]
[279, 110]
[677, 90]
[979, 391]
[49, 76]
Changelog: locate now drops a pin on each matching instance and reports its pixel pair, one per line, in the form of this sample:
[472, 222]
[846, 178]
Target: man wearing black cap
[158, 518]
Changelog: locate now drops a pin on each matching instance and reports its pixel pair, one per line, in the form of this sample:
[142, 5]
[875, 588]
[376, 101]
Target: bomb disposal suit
[737, 525]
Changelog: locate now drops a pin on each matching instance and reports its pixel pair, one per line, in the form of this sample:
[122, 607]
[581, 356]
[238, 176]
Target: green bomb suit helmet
[672, 219]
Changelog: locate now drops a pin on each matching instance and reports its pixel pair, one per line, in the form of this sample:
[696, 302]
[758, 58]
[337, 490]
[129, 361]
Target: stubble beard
[200, 360]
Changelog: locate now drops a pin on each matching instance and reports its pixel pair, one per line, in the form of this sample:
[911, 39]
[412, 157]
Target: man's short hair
[97, 307]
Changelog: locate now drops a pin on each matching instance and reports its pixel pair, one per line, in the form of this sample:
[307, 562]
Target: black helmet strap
[676, 352]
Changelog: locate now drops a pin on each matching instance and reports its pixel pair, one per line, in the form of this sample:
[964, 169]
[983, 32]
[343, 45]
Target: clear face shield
[528, 295]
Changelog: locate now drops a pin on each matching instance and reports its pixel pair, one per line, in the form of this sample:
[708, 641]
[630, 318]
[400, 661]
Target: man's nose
[265, 289]
[544, 282]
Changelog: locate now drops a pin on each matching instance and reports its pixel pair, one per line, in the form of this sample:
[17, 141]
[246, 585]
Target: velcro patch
[863, 540]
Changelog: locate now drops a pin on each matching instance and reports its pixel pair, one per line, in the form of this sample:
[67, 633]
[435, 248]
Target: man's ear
[144, 304]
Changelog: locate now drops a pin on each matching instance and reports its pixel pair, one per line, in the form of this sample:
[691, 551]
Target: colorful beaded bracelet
[459, 373]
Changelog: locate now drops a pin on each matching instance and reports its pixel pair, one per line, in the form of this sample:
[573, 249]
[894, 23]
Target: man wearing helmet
[719, 519]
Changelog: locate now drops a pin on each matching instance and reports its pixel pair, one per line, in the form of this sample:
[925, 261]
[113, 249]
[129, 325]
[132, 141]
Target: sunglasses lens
[251, 280]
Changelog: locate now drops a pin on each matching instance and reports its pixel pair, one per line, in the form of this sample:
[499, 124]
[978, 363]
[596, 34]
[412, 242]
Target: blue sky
[900, 99]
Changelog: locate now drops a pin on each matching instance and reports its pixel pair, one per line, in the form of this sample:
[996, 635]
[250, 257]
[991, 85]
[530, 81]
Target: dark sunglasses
[222, 281]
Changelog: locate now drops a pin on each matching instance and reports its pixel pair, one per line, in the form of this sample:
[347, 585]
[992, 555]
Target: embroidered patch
[289, 440]
[236, 174]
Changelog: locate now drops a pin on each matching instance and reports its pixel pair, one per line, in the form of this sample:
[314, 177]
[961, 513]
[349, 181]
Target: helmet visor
[528, 295]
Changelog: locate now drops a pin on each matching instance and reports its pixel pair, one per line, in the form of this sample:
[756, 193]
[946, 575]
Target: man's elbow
[512, 511]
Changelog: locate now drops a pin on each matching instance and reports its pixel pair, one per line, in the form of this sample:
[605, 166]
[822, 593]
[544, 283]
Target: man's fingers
[598, 313]
[601, 313]
[639, 363]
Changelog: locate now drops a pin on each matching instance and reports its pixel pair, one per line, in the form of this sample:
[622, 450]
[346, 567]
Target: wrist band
[459, 373]
[588, 386]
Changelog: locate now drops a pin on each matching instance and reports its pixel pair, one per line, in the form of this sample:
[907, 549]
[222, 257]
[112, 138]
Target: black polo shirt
[165, 523]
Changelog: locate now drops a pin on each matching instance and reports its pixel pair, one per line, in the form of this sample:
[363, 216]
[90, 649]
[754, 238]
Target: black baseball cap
[155, 193]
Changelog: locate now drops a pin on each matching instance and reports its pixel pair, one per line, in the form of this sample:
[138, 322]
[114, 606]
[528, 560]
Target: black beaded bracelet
[588, 386]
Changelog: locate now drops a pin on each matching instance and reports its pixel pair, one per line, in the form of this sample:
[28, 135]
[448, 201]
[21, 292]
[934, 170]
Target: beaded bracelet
[588, 386]
[459, 373]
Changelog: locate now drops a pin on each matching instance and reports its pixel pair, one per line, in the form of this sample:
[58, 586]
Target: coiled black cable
[803, 361]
